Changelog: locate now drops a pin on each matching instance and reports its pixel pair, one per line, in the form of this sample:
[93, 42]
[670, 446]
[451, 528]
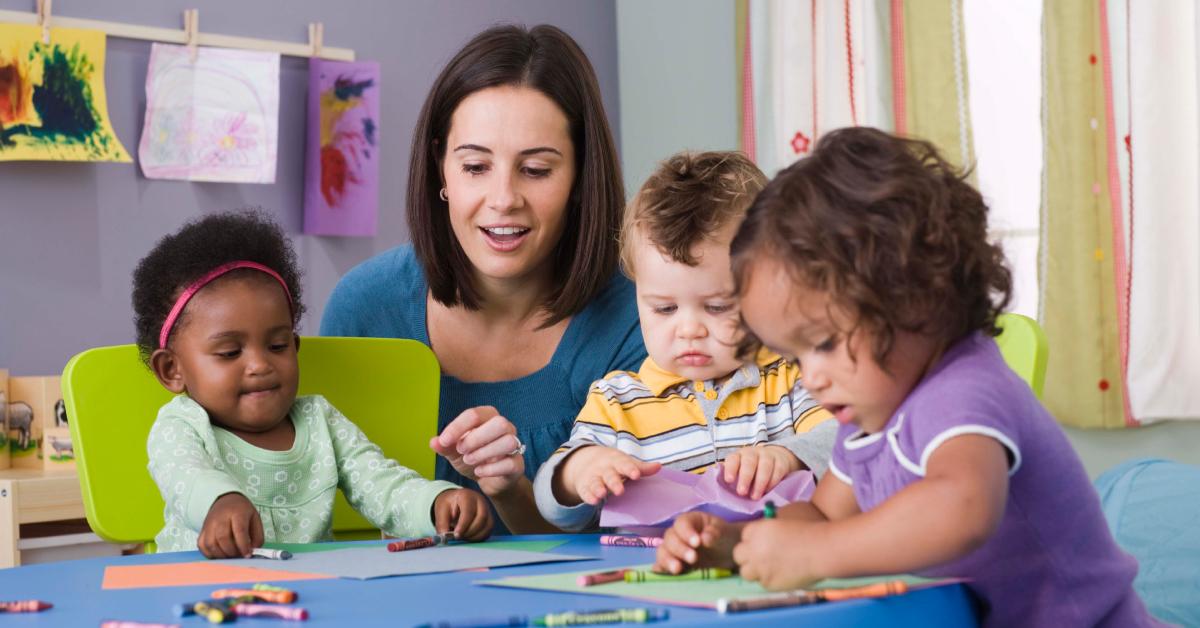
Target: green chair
[388, 387]
[1023, 345]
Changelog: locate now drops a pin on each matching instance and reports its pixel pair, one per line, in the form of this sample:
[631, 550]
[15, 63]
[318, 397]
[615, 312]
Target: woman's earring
[443, 196]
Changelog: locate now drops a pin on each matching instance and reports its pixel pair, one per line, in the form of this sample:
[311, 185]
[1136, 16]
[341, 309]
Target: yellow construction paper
[52, 101]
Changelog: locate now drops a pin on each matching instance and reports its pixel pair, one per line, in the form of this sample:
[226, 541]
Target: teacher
[514, 202]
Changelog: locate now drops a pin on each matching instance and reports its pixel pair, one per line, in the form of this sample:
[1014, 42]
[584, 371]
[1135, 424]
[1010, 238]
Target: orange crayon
[273, 597]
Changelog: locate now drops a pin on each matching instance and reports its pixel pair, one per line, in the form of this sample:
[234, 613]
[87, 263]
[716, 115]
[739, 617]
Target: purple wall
[71, 233]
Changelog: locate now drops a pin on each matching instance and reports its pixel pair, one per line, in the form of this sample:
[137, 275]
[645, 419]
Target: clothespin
[191, 31]
[43, 11]
[316, 37]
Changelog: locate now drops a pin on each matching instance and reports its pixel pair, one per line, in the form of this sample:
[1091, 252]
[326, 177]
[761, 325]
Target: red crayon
[24, 606]
[618, 540]
[274, 597]
[602, 577]
[400, 546]
[266, 610]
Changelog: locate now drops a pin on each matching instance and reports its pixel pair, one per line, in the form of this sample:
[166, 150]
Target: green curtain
[1083, 376]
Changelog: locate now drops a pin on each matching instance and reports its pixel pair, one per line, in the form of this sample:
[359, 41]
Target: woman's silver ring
[520, 450]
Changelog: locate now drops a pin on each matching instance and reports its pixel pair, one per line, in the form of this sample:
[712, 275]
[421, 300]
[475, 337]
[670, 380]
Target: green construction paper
[519, 546]
[693, 593]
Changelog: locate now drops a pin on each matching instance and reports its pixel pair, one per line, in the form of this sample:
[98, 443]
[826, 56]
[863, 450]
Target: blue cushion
[1153, 509]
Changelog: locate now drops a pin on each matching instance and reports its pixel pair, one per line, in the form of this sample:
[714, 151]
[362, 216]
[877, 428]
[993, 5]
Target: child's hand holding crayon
[463, 512]
[757, 469]
[697, 539]
[769, 553]
[232, 528]
[592, 473]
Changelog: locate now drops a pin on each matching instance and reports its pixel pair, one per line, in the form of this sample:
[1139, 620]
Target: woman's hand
[483, 446]
[231, 529]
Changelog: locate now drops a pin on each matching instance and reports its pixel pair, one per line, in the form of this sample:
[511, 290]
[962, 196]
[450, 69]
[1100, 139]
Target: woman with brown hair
[514, 199]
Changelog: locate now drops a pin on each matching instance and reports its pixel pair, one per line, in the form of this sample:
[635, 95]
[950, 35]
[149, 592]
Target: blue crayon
[481, 622]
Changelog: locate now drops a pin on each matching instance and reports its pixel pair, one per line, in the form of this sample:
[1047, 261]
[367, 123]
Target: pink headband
[191, 291]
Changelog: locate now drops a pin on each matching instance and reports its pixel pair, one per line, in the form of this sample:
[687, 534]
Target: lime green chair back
[1023, 345]
[388, 387]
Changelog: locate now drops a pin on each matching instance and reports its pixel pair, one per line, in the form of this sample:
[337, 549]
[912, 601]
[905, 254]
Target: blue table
[74, 589]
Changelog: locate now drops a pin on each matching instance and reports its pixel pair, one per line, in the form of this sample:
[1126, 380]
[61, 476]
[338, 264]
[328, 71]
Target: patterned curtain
[1155, 100]
[1118, 271]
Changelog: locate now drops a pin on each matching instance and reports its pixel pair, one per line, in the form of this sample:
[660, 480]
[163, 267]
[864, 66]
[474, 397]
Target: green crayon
[709, 573]
[769, 510]
[616, 616]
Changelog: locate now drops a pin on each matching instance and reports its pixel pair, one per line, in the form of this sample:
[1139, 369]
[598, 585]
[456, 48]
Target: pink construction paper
[341, 174]
[658, 499]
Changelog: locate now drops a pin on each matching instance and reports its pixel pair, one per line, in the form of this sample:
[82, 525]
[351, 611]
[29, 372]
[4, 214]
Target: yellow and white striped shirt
[659, 416]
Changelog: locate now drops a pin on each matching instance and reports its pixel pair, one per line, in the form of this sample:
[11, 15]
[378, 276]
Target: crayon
[272, 597]
[270, 587]
[481, 622]
[622, 540]
[24, 606]
[215, 613]
[400, 546]
[618, 616]
[801, 598]
[112, 623]
[769, 510]
[879, 589]
[189, 608]
[709, 573]
[603, 577]
[273, 554]
[294, 613]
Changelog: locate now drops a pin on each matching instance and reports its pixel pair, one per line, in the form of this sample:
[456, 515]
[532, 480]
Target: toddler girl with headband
[240, 459]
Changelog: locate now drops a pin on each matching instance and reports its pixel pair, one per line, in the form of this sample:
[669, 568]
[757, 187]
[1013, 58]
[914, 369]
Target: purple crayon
[266, 610]
[618, 540]
[133, 624]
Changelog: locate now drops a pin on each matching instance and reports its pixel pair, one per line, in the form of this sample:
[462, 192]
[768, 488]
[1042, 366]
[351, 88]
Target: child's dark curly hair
[889, 229]
[200, 246]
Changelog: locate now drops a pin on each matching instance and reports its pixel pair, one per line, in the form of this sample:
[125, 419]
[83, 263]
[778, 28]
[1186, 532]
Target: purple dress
[1052, 560]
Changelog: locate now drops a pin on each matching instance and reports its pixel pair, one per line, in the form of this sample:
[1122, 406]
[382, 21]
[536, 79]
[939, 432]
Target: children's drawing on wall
[341, 185]
[52, 101]
[214, 119]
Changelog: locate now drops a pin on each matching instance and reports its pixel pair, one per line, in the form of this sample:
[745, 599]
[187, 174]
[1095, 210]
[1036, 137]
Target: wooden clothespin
[43, 12]
[191, 32]
[316, 37]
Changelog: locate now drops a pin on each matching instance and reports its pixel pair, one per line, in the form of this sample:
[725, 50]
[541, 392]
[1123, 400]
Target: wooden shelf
[34, 496]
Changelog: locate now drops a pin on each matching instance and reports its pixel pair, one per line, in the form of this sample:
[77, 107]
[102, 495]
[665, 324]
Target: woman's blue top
[385, 297]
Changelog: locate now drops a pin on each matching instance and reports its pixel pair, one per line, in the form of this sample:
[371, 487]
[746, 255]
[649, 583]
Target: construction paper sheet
[376, 562]
[520, 546]
[692, 593]
[52, 101]
[656, 500]
[215, 119]
[193, 573]
[341, 173]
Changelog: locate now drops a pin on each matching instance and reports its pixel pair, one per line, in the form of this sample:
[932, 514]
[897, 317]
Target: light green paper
[693, 593]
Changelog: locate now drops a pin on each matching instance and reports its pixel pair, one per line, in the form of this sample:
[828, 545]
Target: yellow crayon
[711, 573]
